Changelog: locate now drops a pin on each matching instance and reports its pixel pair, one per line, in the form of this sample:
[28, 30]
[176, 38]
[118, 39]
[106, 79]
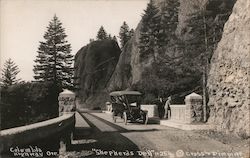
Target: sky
[23, 24]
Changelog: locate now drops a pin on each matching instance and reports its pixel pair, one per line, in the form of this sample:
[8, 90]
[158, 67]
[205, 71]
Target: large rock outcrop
[175, 68]
[169, 70]
[128, 70]
[131, 72]
[94, 65]
[229, 83]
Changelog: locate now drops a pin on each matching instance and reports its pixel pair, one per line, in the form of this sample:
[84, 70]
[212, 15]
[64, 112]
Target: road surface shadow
[104, 144]
[121, 129]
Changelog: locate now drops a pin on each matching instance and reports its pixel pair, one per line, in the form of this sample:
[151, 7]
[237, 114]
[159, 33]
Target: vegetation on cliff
[167, 53]
[166, 60]
[125, 34]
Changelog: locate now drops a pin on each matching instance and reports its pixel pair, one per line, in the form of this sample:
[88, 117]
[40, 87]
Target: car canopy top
[120, 93]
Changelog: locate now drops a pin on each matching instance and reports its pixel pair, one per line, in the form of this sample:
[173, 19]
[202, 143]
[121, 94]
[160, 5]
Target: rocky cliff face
[169, 71]
[94, 65]
[131, 63]
[128, 69]
[228, 83]
[175, 68]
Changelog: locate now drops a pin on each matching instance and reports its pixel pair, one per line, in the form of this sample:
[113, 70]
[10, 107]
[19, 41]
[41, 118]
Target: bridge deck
[80, 121]
[102, 126]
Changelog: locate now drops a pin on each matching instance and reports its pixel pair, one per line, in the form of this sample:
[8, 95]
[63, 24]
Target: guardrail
[30, 133]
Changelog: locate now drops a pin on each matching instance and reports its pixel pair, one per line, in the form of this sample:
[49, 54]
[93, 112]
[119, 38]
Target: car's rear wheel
[114, 118]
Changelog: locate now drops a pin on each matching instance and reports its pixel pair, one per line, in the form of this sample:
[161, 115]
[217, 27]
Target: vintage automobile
[126, 104]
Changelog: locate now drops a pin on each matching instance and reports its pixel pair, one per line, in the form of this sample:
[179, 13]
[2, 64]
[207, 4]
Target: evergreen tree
[124, 34]
[114, 38]
[101, 34]
[9, 74]
[131, 33]
[206, 26]
[168, 22]
[198, 45]
[201, 43]
[54, 59]
[220, 12]
[109, 37]
[91, 40]
[149, 30]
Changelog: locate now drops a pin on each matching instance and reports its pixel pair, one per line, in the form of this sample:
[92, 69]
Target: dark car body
[126, 104]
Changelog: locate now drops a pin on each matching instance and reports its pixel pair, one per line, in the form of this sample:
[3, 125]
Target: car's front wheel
[125, 117]
[145, 118]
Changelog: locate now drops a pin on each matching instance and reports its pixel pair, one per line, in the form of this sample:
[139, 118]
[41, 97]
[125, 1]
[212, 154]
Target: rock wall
[229, 82]
[128, 70]
[179, 75]
[172, 69]
[94, 65]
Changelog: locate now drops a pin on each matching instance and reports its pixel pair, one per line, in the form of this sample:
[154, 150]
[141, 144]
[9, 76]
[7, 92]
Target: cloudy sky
[23, 23]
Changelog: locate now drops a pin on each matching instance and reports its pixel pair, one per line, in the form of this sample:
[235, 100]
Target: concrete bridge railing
[63, 125]
[178, 113]
[37, 131]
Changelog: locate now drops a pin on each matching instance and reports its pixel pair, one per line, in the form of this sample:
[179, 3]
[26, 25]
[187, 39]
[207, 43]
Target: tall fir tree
[114, 38]
[168, 22]
[9, 74]
[220, 12]
[206, 26]
[149, 30]
[109, 37]
[54, 59]
[201, 26]
[124, 34]
[131, 33]
[101, 34]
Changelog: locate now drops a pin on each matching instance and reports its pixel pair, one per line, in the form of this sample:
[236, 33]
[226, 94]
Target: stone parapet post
[67, 105]
[66, 102]
[193, 112]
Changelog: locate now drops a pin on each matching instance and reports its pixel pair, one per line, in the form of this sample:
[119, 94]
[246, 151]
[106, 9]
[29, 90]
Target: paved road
[108, 139]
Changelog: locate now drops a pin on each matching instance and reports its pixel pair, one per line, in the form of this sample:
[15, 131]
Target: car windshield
[133, 98]
[117, 99]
